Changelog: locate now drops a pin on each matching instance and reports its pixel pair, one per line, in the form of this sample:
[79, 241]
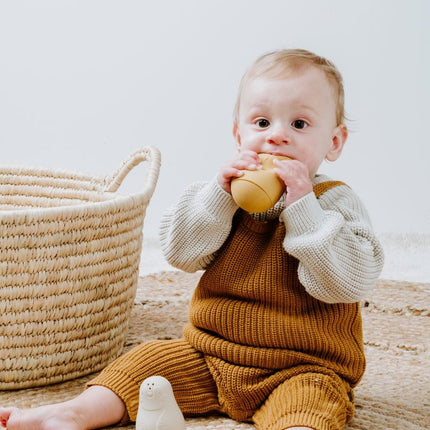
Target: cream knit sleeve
[192, 231]
[340, 257]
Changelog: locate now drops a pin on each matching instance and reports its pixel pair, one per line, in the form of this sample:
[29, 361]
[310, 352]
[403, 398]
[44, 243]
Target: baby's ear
[340, 134]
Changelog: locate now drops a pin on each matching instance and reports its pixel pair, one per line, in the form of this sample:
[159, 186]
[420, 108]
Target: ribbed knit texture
[313, 400]
[250, 309]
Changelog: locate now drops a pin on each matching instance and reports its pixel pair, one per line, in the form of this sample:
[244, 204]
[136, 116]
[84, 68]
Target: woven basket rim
[99, 185]
[49, 172]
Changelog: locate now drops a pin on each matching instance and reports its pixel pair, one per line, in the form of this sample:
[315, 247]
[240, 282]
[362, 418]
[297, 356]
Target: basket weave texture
[69, 260]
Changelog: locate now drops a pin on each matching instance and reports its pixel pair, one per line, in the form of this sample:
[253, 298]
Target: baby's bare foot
[94, 408]
[53, 417]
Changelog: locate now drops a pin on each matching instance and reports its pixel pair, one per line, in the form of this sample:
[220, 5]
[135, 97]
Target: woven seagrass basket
[69, 261]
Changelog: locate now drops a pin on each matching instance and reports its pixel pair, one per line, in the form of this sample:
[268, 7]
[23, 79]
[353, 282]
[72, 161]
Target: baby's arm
[340, 257]
[194, 229]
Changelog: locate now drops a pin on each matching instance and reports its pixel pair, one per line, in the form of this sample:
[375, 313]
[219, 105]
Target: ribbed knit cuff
[217, 201]
[124, 387]
[303, 215]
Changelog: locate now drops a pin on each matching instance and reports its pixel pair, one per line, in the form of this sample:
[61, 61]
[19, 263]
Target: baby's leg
[307, 401]
[176, 360]
[95, 408]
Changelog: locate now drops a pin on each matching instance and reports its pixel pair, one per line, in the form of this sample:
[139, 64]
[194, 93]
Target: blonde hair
[275, 64]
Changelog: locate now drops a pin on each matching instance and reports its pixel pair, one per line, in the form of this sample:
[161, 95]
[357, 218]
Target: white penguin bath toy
[158, 409]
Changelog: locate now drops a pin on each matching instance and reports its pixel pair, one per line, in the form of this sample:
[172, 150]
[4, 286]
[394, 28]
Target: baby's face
[292, 116]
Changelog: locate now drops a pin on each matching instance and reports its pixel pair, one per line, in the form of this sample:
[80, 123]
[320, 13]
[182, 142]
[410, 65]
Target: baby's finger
[245, 164]
[232, 172]
[250, 157]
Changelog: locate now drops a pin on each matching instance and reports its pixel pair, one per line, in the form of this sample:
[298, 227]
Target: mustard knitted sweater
[331, 236]
[250, 307]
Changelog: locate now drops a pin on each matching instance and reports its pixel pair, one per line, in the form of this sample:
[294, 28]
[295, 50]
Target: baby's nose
[278, 135]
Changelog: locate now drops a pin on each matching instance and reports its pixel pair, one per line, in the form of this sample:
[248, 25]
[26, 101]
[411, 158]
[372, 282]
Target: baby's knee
[307, 401]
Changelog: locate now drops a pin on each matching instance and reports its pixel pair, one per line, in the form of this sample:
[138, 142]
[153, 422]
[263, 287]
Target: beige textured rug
[394, 394]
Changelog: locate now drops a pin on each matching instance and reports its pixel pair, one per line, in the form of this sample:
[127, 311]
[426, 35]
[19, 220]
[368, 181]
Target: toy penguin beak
[149, 391]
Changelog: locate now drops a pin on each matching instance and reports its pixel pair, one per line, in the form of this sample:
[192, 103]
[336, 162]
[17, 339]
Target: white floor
[407, 257]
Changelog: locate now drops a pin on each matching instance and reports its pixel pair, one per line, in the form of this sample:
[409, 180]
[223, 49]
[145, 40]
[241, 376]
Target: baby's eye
[263, 123]
[299, 124]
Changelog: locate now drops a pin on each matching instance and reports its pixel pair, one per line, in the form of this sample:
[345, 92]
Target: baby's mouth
[282, 156]
[278, 154]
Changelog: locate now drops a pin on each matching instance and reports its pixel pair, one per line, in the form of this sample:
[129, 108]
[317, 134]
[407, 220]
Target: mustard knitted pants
[306, 395]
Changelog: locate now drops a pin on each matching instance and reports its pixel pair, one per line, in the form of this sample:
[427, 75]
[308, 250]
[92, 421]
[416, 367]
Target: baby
[274, 334]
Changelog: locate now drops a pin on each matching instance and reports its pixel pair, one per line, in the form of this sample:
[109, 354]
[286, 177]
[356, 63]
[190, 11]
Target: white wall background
[84, 83]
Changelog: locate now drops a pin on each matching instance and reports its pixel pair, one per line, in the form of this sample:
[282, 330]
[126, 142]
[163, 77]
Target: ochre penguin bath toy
[258, 190]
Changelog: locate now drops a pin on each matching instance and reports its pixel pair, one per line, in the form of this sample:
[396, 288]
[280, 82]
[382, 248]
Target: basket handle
[149, 153]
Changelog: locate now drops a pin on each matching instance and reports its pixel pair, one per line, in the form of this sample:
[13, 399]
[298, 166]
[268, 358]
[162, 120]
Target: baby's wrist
[225, 185]
[295, 195]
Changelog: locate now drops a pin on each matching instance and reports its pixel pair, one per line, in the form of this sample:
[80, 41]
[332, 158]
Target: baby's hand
[245, 160]
[295, 175]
